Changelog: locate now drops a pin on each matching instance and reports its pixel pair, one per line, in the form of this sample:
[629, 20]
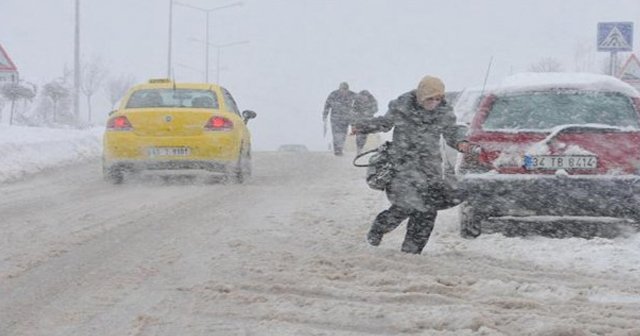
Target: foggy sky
[299, 50]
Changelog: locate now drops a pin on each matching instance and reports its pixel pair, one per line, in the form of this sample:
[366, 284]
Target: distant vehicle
[554, 145]
[293, 148]
[167, 125]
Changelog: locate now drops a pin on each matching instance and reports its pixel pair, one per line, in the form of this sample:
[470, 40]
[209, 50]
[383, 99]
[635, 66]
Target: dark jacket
[340, 105]
[418, 183]
[364, 106]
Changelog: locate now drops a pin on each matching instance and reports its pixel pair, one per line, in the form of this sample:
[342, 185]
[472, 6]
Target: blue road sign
[615, 36]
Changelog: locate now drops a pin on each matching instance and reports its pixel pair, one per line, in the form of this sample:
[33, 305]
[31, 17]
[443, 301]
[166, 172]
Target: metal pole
[612, 63]
[218, 66]
[76, 66]
[170, 38]
[206, 53]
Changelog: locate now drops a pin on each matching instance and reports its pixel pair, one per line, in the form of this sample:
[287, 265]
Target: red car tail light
[120, 123]
[475, 161]
[218, 124]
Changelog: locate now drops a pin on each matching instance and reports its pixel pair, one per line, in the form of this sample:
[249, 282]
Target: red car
[553, 145]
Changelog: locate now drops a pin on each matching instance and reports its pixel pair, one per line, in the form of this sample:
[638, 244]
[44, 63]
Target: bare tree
[54, 105]
[14, 92]
[547, 64]
[56, 92]
[117, 87]
[93, 74]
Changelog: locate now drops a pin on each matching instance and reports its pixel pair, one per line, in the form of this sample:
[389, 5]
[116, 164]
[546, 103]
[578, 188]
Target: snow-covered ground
[28, 150]
[282, 255]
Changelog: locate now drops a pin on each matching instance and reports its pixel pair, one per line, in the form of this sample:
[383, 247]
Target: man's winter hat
[429, 87]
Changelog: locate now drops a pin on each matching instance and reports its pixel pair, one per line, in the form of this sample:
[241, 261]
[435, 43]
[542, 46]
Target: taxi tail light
[218, 124]
[120, 123]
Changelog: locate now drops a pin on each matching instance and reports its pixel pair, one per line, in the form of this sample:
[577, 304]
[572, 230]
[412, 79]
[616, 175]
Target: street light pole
[207, 41]
[219, 47]
[218, 65]
[206, 51]
[218, 53]
[76, 66]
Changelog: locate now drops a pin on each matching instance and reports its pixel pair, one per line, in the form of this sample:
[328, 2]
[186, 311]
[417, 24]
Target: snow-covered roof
[537, 81]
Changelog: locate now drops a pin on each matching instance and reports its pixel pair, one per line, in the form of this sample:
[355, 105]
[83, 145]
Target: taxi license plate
[560, 162]
[169, 151]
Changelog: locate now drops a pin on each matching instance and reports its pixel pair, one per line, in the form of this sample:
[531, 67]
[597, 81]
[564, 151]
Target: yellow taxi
[164, 125]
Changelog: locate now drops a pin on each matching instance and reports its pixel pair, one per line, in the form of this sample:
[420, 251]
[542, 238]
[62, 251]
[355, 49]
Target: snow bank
[28, 150]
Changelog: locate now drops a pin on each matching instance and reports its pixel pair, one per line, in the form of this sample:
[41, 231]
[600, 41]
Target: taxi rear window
[180, 98]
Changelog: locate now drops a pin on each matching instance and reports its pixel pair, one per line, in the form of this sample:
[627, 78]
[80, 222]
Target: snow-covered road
[284, 255]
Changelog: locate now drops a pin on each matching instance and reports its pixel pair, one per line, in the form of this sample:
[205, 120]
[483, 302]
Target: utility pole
[170, 38]
[76, 66]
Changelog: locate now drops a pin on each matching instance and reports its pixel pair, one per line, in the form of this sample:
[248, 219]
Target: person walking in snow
[417, 191]
[340, 105]
[364, 107]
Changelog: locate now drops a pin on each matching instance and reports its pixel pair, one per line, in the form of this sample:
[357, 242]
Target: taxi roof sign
[159, 80]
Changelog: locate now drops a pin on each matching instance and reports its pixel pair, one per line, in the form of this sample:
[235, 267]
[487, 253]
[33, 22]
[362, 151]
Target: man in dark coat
[364, 107]
[417, 190]
[340, 105]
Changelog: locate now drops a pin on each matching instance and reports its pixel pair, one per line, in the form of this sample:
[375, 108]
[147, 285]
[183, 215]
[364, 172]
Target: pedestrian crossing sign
[615, 36]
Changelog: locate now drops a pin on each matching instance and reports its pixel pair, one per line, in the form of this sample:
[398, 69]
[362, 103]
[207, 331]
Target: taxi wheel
[239, 172]
[113, 175]
[470, 221]
[239, 177]
[246, 164]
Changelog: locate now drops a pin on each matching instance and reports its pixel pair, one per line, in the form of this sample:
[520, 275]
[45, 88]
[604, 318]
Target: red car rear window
[545, 110]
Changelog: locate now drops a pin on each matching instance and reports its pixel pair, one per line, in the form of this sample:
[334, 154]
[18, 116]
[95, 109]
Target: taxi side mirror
[248, 114]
